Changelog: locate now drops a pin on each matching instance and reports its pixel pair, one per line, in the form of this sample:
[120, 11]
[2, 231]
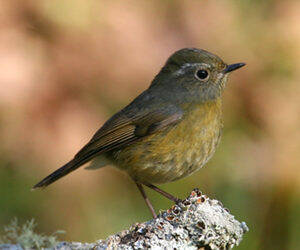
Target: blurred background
[67, 66]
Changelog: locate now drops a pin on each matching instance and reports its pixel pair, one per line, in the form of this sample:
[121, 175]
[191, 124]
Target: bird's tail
[59, 173]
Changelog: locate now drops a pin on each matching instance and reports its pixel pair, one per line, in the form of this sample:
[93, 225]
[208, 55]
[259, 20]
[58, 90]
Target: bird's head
[197, 72]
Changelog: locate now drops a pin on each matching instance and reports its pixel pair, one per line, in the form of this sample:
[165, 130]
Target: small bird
[166, 133]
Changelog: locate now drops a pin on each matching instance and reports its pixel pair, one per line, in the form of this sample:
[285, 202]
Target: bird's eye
[202, 74]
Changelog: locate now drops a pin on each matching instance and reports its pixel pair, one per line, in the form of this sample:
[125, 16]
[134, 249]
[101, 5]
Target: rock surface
[195, 223]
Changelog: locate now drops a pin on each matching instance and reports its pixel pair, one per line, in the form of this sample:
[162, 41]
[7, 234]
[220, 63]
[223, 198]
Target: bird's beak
[233, 67]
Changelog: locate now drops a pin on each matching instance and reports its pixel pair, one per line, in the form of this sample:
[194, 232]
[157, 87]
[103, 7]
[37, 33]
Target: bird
[166, 133]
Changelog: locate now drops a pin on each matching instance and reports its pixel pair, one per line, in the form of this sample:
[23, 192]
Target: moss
[26, 237]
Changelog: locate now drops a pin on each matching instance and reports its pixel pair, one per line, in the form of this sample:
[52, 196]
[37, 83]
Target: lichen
[25, 237]
[197, 222]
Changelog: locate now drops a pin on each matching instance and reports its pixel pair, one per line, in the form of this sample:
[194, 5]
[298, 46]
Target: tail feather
[59, 173]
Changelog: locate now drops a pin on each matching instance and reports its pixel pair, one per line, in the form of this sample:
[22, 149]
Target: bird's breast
[176, 152]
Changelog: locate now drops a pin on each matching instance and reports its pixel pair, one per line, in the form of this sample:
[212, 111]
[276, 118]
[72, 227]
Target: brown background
[66, 66]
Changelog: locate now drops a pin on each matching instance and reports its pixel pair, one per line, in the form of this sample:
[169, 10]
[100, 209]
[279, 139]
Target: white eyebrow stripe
[186, 65]
[196, 64]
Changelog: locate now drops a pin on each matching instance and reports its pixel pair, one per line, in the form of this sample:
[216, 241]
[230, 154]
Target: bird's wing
[122, 129]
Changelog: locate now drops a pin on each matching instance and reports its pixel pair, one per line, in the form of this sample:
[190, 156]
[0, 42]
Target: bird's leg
[164, 193]
[140, 187]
